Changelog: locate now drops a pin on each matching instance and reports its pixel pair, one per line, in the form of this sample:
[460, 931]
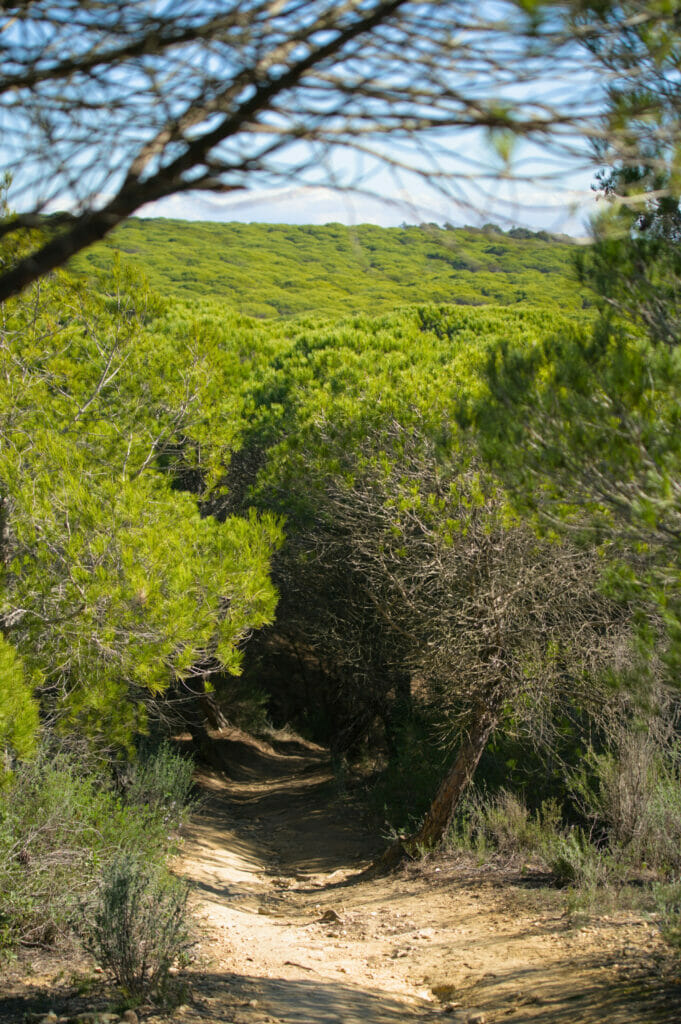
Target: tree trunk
[203, 713]
[442, 809]
[212, 712]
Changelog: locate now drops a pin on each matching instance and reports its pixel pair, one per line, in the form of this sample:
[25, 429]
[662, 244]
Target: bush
[575, 861]
[162, 780]
[245, 703]
[504, 824]
[661, 846]
[54, 830]
[139, 926]
[632, 798]
[668, 905]
[61, 824]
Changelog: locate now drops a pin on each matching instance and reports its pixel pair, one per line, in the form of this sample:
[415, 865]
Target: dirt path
[290, 934]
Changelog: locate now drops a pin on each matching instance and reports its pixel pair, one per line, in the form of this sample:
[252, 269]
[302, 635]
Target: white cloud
[535, 206]
[292, 205]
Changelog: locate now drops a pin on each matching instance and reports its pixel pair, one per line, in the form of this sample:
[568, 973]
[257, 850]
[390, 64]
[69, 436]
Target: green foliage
[329, 387]
[139, 926]
[626, 845]
[246, 702]
[403, 560]
[668, 906]
[575, 861]
[161, 781]
[139, 436]
[630, 795]
[583, 428]
[61, 824]
[114, 583]
[401, 793]
[503, 824]
[18, 709]
[282, 270]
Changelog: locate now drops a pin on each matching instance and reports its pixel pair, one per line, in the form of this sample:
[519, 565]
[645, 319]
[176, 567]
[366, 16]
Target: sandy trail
[291, 934]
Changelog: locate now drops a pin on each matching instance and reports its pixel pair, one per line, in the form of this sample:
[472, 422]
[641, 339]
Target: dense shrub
[575, 861]
[284, 270]
[162, 780]
[138, 927]
[631, 797]
[627, 848]
[668, 906]
[502, 823]
[61, 824]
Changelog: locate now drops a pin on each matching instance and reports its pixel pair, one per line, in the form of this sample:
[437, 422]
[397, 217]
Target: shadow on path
[321, 1001]
[284, 806]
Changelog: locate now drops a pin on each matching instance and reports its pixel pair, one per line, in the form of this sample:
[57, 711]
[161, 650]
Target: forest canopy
[268, 270]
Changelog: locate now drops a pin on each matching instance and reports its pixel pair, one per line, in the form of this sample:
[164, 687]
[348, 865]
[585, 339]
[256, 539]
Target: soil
[291, 930]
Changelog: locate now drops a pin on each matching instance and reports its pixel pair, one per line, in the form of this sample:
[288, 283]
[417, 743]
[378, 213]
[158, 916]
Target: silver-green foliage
[163, 781]
[631, 795]
[61, 824]
[668, 906]
[503, 824]
[139, 925]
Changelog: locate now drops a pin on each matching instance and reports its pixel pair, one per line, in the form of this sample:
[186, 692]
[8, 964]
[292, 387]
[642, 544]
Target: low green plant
[503, 824]
[575, 861]
[164, 780]
[667, 900]
[62, 822]
[631, 797]
[139, 927]
[662, 848]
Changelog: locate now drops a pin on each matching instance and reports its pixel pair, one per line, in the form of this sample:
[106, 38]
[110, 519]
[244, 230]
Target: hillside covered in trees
[268, 270]
[407, 500]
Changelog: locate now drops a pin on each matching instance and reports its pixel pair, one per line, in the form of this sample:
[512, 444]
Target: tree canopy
[114, 584]
[474, 506]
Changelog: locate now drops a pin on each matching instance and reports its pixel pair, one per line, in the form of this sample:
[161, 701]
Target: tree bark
[449, 794]
[203, 713]
[451, 790]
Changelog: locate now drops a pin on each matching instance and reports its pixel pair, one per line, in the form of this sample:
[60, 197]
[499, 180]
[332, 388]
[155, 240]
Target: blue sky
[561, 206]
[559, 209]
[541, 187]
[536, 187]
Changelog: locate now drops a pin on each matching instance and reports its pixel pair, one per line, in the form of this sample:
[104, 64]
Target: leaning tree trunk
[444, 805]
[451, 790]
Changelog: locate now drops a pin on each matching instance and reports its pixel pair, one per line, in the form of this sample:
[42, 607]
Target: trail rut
[291, 932]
